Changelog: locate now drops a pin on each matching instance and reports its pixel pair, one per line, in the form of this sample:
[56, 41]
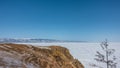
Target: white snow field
[85, 52]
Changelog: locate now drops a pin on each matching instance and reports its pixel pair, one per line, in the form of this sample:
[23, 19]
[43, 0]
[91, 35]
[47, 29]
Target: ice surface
[85, 52]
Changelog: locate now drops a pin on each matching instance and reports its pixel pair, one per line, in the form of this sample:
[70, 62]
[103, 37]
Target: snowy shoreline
[84, 52]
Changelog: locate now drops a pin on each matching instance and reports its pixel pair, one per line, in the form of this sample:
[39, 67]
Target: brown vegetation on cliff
[28, 56]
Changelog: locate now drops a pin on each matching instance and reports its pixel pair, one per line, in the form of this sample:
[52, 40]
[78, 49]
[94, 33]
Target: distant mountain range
[12, 40]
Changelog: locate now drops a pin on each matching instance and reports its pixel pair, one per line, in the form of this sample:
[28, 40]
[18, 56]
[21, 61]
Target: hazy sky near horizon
[86, 20]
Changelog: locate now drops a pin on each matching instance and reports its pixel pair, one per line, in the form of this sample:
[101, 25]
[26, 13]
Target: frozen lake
[85, 52]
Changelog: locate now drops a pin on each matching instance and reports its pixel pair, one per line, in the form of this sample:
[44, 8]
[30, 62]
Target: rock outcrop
[28, 56]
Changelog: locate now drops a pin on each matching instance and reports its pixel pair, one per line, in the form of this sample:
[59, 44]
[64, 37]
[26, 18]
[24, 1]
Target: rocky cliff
[28, 56]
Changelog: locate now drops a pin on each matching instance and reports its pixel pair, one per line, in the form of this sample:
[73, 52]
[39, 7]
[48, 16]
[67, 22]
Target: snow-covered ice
[85, 52]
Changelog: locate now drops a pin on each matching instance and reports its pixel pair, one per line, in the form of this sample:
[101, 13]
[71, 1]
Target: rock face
[28, 56]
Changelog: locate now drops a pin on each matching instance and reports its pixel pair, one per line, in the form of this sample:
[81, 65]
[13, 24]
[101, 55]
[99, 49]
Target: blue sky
[86, 20]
